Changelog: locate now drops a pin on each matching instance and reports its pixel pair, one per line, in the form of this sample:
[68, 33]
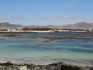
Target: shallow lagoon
[35, 50]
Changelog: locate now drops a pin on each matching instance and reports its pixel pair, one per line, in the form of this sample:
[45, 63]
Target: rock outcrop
[54, 66]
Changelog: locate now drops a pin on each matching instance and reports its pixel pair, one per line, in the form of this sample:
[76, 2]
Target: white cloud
[68, 18]
[13, 18]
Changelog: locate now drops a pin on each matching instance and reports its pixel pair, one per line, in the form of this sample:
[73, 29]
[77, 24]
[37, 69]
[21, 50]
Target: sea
[34, 48]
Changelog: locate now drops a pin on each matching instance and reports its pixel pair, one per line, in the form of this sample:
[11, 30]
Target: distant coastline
[44, 31]
[78, 27]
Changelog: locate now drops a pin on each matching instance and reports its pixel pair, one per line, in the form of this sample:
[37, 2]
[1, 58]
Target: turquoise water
[36, 51]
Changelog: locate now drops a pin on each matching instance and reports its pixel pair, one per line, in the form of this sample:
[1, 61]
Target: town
[42, 29]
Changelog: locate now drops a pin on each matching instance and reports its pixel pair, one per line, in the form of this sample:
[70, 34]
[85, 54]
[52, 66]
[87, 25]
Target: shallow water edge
[53, 66]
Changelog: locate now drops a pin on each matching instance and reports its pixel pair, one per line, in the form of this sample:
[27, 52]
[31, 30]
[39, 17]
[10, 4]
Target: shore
[42, 31]
[54, 66]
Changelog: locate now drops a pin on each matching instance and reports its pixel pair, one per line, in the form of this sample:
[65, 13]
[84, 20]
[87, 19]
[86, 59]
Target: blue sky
[46, 12]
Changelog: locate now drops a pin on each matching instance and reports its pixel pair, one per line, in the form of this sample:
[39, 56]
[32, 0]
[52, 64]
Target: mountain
[8, 25]
[80, 25]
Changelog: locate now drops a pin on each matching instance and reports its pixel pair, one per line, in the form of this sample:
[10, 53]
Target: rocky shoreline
[53, 66]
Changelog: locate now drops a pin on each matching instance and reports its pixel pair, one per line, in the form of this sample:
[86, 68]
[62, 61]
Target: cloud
[62, 18]
[14, 18]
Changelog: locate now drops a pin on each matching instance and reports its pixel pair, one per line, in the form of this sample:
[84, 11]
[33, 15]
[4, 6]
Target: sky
[46, 12]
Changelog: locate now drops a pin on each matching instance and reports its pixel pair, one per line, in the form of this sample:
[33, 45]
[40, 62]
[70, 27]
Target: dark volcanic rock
[54, 66]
